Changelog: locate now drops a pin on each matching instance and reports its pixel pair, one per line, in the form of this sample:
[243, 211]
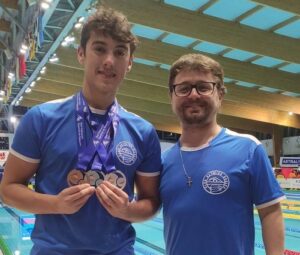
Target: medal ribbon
[97, 151]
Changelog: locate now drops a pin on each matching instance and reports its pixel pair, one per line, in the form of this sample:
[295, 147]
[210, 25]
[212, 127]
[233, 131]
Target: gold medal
[75, 177]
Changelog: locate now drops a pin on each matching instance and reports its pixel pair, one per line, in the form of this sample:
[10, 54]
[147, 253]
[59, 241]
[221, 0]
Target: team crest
[126, 153]
[215, 182]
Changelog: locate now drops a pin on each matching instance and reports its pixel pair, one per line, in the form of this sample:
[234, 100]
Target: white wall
[268, 144]
[290, 145]
[165, 145]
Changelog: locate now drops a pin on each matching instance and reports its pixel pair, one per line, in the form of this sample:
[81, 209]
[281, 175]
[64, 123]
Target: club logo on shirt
[126, 153]
[215, 182]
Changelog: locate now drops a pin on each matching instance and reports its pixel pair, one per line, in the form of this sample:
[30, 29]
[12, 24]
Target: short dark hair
[198, 62]
[110, 22]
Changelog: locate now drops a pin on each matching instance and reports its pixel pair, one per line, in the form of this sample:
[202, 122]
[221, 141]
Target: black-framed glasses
[204, 88]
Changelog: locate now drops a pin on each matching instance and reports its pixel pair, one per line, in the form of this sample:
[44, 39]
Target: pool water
[16, 226]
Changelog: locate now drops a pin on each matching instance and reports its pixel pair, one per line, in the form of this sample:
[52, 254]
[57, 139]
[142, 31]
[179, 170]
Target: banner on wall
[289, 183]
[289, 161]
[3, 157]
[4, 149]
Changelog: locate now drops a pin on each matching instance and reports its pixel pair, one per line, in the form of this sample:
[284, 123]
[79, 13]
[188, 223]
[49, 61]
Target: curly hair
[109, 22]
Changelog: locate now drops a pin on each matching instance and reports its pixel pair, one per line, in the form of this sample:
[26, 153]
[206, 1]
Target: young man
[212, 177]
[87, 153]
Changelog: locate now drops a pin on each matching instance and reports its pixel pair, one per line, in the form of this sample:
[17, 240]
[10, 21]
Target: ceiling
[257, 43]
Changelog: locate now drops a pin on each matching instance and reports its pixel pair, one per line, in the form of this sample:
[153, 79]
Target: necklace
[189, 180]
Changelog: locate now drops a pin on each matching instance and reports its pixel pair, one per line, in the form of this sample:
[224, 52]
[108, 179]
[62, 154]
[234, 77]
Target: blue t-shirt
[47, 135]
[215, 215]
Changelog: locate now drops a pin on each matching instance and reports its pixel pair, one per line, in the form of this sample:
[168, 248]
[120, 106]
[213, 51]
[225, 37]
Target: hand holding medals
[71, 199]
[95, 178]
[113, 199]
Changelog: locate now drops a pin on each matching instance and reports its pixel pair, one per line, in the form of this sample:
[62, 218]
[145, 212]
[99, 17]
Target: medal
[98, 182]
[112, 178]
[95, 153]
[94, 178]
[101, 179]
[83, 181]
[91, 177]
[75, 177]
[116, 178]
[121, 181]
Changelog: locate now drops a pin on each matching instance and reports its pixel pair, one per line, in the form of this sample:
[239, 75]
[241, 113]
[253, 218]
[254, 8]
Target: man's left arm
[272, 229]
[117, 204]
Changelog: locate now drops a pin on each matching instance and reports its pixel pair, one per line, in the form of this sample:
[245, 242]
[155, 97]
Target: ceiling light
[11, 76]
[45, 5]
[291, 113]
[43, 70]
[53, 59]
[70, 39]
[28, 90]
[24, 47]
[32, 84]
[13, 119]
[78, 25]
[22, 51]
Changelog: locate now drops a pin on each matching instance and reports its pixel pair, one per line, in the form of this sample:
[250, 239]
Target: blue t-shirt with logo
[47, 135]
[215, 215]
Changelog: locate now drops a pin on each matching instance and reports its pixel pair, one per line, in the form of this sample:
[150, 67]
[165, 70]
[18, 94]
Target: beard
[196, 113]
[194, 118]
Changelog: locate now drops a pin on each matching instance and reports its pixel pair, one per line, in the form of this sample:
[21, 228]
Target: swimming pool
[16, 226]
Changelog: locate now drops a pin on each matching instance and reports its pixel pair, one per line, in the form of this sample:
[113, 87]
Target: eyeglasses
[204, 88]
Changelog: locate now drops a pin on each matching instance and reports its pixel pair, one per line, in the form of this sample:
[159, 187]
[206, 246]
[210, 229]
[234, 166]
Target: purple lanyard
[98, 151]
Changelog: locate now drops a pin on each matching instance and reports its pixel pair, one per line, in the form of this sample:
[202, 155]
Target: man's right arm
[14, 191]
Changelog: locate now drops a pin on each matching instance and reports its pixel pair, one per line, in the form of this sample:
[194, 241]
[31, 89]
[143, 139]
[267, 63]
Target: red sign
[289, 252]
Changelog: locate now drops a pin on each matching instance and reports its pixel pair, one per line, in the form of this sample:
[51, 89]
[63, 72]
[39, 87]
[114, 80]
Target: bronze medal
[83, 181]
[74, 177]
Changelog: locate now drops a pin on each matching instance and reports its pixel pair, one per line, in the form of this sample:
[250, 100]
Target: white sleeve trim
[275, 201]
[148, 174]
[27, 159]
[230, 132]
